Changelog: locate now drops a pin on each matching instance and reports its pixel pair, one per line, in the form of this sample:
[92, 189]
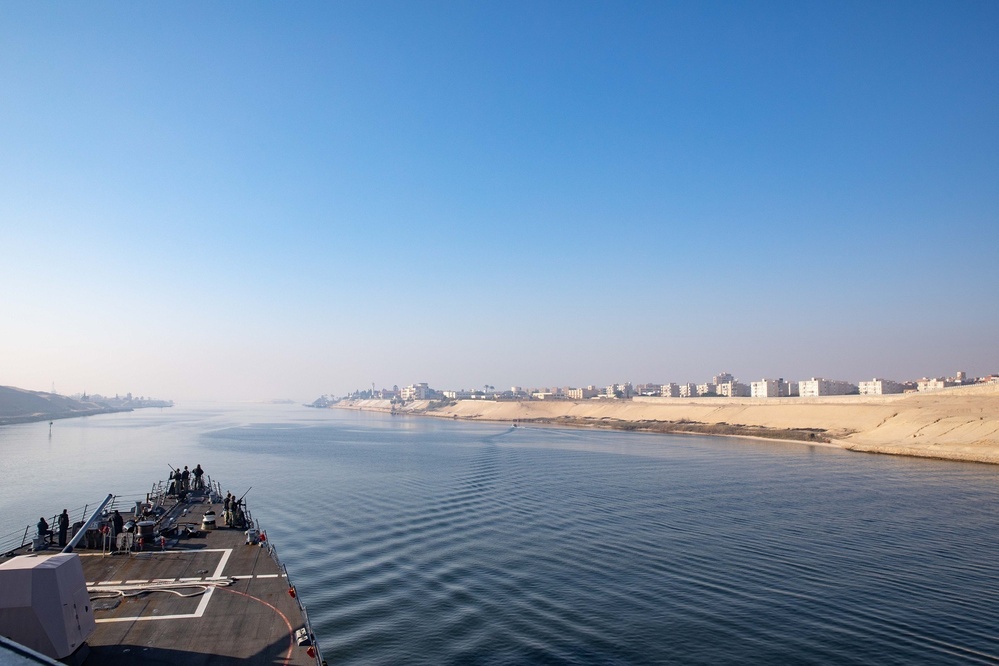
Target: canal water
[425, 541]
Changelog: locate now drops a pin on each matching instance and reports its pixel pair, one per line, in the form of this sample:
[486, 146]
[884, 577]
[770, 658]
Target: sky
[253, 201]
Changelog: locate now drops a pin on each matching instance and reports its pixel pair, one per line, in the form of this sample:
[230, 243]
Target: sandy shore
[960, 423]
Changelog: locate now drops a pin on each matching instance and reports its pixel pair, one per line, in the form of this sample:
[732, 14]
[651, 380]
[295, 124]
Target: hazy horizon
[254, 202]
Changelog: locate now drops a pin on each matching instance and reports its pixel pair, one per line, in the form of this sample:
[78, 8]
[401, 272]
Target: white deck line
[202, 604]
[221, 566]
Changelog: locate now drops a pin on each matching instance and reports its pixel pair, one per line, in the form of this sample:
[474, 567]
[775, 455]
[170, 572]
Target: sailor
[238, 519]
[227, 509]
[185, 477]
[197, 476]
[63, 527]
[117, 523]
[43, 527]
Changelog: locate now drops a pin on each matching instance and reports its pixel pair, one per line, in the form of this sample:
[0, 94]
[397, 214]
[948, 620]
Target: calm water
[436, 542]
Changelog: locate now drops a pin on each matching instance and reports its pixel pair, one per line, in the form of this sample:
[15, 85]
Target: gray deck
[235, 609]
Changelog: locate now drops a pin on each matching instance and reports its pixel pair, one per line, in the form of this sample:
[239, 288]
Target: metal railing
[272, 551]
[14, 541]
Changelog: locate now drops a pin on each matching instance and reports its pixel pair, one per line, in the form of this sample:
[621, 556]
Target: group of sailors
[186, 480]
[115, 524]
[62, 521]
[232, 511]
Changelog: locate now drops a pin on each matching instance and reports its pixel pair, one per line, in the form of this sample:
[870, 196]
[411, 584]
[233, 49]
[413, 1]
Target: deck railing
[19, 539]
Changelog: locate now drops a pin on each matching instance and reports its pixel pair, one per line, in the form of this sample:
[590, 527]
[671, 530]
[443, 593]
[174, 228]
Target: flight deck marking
[221, 566]
[202, 605]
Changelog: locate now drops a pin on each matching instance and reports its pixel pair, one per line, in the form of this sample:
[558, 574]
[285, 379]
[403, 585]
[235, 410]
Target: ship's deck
[205, 599]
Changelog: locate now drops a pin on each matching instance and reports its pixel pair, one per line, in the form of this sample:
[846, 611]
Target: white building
[671, 390]
[416, 392]
[817, 386]
[688, 390]
[462, 394]
[581, 393]
[771, 388]
[732, 389]
[619, 390]
[722, 378]
[925, 384]
[880, 387]
[706, 389]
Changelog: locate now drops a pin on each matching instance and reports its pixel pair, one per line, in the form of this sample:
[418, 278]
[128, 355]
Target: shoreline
[35, 418]
[958, 424]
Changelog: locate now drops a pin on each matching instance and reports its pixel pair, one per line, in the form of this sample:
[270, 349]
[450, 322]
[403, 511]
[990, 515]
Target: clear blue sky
[263, 200]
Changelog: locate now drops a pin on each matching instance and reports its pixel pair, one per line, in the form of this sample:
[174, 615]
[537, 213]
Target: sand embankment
[960, 423]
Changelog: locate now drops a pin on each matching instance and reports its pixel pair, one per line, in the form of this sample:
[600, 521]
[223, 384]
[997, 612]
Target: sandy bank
[954, 424]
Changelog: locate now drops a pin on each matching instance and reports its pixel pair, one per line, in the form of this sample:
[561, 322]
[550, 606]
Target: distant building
[671, 390]
[416, 392]
[688, 390]
[706, 389]
[772, 388]
[732, 389]
[619, 390]
[880, 387]
[722, 378]
[817, 386]
[458, 395]
[936, 384]
[581, 393]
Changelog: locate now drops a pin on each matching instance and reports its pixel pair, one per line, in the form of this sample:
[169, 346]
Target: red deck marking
[291, 634]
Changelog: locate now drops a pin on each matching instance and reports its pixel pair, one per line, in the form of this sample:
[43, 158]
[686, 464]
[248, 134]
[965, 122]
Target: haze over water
[429, 541]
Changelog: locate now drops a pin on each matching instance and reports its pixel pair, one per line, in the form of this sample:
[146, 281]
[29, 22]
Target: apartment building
[732, 389]
[936, 384]
[416, 392]
[671, 390]
[880, 387]
[817, 386]
[771, 388]
[625, 390]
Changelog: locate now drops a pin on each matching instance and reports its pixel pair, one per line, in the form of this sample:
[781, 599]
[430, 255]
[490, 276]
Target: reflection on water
[427, 541]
